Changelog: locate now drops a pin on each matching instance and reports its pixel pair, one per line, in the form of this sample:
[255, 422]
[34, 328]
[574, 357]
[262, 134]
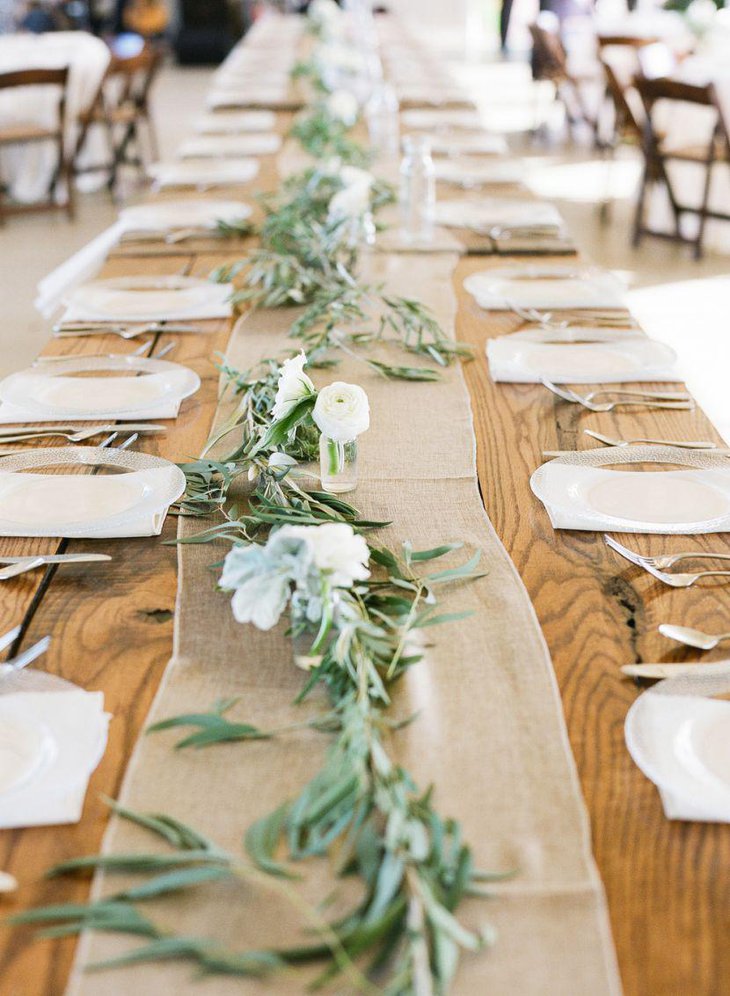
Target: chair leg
[638, 230]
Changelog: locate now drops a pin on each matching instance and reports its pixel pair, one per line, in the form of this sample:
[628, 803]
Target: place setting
[506, 225]
[583, 294]
[201, 174]
[235, 122]
[173, 222]
[235, 146]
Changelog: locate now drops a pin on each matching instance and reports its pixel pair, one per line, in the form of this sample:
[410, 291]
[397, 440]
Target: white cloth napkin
[255, 144]
[207, 173]
[247, 96]
[469, 145]
[59, 737]
[475, 173]
[486, 212]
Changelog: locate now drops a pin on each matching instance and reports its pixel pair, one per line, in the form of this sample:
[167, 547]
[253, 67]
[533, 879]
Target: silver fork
[657, 395]
[81, 435]
[660, 563]
[608, 406]
[123, 331]
[678, 443]
[6, 573]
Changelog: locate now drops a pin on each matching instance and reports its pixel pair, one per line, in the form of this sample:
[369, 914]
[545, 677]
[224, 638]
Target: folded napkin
[86, 506]
[489, 212]
[468, 174]
[256, 144]
[682, 743]
[50, 743]
[516, 359]
[17, 415]
[206, 173]
[686, 502]
[248, 97]
[438, 120]
[236, 121]
[164, 216]
[469, 145]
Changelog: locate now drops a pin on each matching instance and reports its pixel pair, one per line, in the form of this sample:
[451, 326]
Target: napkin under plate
[233, 122]
[202, 174]
[256, 144]
[550, 287]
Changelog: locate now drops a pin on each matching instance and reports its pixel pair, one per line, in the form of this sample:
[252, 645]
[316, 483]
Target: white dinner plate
[234, 122]
[637, 358]
[132, 501]
[48, 393]
[579, 492]
[26, 748]
[183, 214]
[682, 743]
[536, 286]
[144, 297]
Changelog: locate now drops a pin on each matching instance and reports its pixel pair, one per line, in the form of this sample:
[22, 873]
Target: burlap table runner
[490, 734]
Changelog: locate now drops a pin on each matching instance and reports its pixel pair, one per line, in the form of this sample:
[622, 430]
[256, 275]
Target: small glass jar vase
[338, 465]
[417, 190]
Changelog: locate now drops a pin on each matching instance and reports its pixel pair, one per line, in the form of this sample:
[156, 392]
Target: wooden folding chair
[550, 62]
[121, 107]
[628, 122]
[27, 133]
[658, 156]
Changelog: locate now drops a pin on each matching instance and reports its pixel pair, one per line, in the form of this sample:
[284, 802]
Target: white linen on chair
[28, 169]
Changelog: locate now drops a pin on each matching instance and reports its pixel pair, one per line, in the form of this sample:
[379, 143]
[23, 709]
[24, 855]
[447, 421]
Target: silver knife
[59, 558]
[664, 670]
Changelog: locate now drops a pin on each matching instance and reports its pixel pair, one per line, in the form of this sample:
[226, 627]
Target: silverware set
[610, 319]
[20, 565]
[658, 567]
[69, 330]
[683, 444]
[641, 399]
[79, 436]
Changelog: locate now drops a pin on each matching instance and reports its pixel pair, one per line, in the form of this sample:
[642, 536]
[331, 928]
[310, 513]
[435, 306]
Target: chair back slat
[34, 77]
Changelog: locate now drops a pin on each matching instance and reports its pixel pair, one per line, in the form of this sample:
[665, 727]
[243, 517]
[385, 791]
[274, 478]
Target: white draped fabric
[28, 169]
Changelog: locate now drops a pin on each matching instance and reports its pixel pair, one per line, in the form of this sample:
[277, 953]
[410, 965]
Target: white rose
[351, 176]
[352, 202]
[324, 11]
[293, 385]
[342, 105]
[342, 411]
[337, 551]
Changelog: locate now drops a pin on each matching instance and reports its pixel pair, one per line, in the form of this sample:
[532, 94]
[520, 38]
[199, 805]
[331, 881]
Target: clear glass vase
[417, 190]
[338, 465]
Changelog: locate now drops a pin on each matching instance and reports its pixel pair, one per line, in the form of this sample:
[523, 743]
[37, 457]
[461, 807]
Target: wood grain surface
[111, 625]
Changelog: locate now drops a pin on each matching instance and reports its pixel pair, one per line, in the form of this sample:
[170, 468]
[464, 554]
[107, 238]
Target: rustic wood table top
[112, 627]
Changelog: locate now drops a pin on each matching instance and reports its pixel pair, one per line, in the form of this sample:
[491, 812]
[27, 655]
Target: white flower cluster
[300, 564]
[293, 385]
[325, 14]
[353, 201]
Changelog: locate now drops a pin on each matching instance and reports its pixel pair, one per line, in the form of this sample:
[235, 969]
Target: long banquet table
[666, 882]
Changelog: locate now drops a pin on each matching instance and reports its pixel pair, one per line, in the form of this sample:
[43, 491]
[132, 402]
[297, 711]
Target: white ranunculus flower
[337, 551]
[352, 202]
[351, 176]
[342, 412]
[294, 385]
[324, 11]
[342, 105]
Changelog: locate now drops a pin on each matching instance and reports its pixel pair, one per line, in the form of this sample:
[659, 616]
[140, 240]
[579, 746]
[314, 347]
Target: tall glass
[417, 189]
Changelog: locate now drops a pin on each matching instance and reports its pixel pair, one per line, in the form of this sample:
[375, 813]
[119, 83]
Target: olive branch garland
[361, 810]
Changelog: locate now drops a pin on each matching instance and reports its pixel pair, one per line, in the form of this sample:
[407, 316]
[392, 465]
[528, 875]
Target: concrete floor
[678, 300]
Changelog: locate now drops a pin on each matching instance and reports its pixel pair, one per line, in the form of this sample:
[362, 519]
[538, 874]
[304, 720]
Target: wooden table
[667, 883]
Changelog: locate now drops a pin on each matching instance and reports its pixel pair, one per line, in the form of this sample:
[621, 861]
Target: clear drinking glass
[381, 113]
[417, 189]
[338, 465]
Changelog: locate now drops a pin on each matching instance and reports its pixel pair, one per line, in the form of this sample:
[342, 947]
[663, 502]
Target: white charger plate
[637, 358]
[86, 505]
[682, 743]
[489, 211]
[183, 214]
[143, 297]
[534, 286]
[441, 120]
[52, 392]
[580, 493]
[27, 747]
